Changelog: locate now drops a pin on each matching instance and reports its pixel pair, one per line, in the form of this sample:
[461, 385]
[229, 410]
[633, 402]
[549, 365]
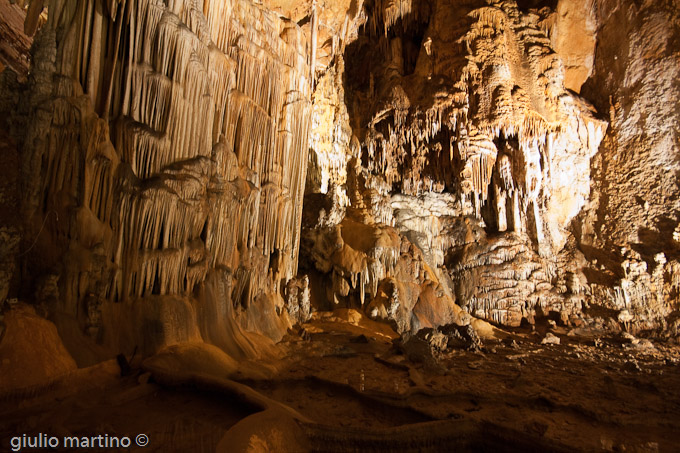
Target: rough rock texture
[9, 223]
[14, 43]
[166, 142]
[375, 268]
[628, 230]
[461, 130]
[572, 28]
[466, 141]
[423, 161]
[31, 351]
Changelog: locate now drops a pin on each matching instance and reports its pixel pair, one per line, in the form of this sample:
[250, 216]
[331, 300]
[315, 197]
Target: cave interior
[340, 225]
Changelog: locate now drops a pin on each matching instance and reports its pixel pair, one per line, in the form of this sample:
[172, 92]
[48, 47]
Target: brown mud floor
[586, 394]
[174, 419]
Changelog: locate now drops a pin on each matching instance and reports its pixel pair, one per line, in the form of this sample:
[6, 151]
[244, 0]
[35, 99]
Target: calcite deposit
[467, 142]
[165, 142]
[218, 171]
[341, 225]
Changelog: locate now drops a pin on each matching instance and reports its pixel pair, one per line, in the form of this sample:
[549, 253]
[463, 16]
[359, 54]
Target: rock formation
[473, 150]
[201, 170]
[461, 130]
[165, 147]
[340, 225]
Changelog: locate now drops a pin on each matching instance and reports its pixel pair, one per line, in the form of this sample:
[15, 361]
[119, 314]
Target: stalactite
[481, 130]
[179, 132]
[313, 43]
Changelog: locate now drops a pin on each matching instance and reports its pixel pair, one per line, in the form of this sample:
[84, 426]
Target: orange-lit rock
[270, 225]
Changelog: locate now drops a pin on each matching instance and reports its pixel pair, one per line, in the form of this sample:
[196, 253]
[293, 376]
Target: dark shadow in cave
[367, 57]
[654, 241]
[526, 5]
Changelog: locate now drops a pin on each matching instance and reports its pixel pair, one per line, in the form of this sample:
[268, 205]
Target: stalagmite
[501, 215]
[518, 225]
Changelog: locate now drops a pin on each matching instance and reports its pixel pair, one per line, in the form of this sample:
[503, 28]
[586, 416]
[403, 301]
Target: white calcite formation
[470, 147]
[641, 297]
[425, 161]
[168, 142]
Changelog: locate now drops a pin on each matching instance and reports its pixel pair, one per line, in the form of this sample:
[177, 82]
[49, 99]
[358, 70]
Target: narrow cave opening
[156, 285]
[204, 231]
[160, 240]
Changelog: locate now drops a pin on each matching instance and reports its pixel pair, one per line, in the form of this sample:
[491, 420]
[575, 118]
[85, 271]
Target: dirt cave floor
[585, 394]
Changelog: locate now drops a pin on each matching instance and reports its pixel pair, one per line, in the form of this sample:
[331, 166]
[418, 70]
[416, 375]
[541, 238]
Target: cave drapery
[204, 169]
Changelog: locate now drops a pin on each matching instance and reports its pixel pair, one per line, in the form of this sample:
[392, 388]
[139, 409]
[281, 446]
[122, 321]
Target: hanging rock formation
[166, 150]
[472, 149]
[426, 162]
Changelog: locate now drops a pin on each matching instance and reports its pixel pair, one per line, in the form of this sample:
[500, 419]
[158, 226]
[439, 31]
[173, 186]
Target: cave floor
[588, 393]
[97, 400]
[582, 395]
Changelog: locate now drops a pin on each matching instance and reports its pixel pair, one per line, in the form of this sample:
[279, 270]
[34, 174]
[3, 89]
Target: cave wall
[462, 129]
[424, 161]
[467, 143]
[629, 229]
[164, 149]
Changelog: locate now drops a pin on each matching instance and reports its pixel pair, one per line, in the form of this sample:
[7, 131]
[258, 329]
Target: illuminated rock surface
[208, 185]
